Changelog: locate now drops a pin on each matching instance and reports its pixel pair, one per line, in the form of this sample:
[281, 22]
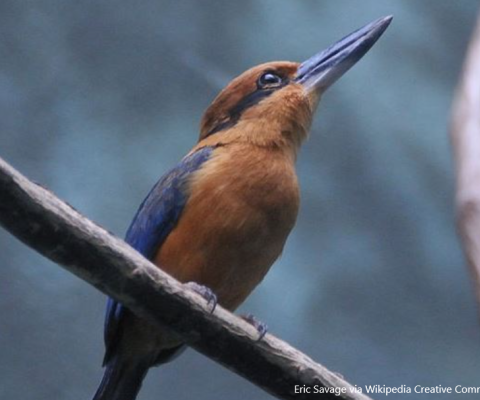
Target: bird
[220, 218]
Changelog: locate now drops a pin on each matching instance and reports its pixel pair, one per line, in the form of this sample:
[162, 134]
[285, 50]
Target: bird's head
[273, 103]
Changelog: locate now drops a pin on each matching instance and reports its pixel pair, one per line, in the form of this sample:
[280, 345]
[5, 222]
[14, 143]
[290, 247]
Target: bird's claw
[205, 292]
[260, 326]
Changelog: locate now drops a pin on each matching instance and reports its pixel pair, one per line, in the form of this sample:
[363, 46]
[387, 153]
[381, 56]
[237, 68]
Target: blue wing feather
[154, 220]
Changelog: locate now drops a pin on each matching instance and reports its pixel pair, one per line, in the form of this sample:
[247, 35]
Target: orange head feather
[265, 98]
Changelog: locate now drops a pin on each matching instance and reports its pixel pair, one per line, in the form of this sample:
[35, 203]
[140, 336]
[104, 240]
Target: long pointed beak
[323, 69]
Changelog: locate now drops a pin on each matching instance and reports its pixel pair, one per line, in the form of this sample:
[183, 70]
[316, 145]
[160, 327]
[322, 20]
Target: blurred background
[98, 99]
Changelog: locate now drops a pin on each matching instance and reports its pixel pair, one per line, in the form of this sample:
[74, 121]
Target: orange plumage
[242, 206]
[244, 201]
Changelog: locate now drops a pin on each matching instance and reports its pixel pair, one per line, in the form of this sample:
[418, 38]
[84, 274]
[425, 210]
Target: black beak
[323, 69]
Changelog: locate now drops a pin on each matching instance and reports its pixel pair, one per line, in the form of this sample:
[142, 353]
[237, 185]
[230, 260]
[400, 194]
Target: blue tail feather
[121, 380]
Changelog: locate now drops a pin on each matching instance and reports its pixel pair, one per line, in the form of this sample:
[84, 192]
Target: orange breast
[242, 205]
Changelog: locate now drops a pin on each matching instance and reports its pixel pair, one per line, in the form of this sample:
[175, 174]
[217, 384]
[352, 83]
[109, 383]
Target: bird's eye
[269, 79]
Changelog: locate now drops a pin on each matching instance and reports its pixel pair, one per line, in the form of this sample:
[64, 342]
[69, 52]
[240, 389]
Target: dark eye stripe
[236, 111]
[245, 103]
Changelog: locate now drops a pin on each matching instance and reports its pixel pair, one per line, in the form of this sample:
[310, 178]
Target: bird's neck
[268, 134]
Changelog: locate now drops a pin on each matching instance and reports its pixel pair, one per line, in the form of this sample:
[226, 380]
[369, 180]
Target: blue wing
[155, 219]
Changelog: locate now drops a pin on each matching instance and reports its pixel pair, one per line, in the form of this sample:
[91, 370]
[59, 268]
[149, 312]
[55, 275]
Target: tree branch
[465, 137]
[56, 230]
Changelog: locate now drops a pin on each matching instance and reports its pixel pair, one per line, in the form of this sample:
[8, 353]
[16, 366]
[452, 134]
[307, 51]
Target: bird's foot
[205, 292]
[260, 326]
